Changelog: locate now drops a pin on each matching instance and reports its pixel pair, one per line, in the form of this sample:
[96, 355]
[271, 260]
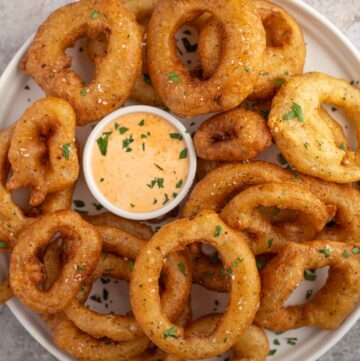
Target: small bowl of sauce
[139, 162]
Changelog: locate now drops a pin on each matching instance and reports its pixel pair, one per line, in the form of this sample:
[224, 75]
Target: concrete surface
[20, 18]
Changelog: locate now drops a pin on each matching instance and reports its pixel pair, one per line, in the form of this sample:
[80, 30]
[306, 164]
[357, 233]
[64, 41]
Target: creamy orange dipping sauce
[140, 162]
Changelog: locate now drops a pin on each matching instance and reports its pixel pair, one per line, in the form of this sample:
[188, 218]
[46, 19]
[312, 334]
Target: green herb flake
[343, 147]
[217, 231]
[276, 342]
[155, 201]
[229, 271]
[296, 112]
[282, 159]
[131, 264]
[170, 333]
[272, 352]
[103, 143]
[265, 113]
[80, 268]
[355, 250]
[183, 154]
[270, 242]
[291, 340]
[309, 276]
[142, 122]
[179, 184]
[158, 167]
[173, 77]
[247, 69]
[2, 245]
[260, 264]
[177, 136]
[127, 141]
[94, 15]
[174, 195]
[346, 254]
[182, 268]
[83, 92]
[166, 199]
[79, 203]
[66, 151]
[279, 82]
[325, 252]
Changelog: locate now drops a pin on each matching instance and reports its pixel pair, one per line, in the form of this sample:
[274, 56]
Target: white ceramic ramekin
[87, 166]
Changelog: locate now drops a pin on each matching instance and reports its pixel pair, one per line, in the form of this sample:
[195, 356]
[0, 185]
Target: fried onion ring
[305, 137]
[115, 73]
[231, 83]
[26, 270]
[86, 348]
[263, 237]
[236, 135]
[239, 262]
[330, 306]
[43, 154]
[284, 39]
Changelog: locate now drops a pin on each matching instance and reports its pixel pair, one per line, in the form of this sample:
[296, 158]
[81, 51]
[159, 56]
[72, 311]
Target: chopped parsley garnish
[355, 250]
[263, 73]
[309, 276]
[157, 181]
[279, 81]
[83, 91]
[291, 340]
[217, 231]
[131, 264]
[343, 147]
[177, 136]
[126, 142]
[179, 183]
[260, 264]
[182, 268]
[66, 151]
[270, 242]
[122, 130]
[326, 252]
[146, 78]
[155, 201]
[80, 268]
[183, 154]
[190, 48]
[236, 263]
[142, 122]
[272, 352]
[265, 113]
[282, 159]
[173, 77]
[166, 199]
[2, 245]
[157, 166]
[103, 143]
[249, 104]
[276, 342]
[94, 15]
[174, 195]
[229, 271]
[79, 203]
[296, 112]
[170, 333]
[346, 254]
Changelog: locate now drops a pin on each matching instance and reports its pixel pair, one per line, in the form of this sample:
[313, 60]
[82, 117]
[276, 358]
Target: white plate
[330, 52]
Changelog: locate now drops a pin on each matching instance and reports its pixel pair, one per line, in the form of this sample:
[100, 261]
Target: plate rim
[315, 350]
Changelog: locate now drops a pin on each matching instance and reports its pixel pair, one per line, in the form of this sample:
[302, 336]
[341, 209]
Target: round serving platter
[328, 51]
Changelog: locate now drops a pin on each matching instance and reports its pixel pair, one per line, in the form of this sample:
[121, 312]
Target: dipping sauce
[140, 162]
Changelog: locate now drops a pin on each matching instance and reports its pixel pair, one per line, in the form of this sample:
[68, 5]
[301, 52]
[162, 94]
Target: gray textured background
[19, 19]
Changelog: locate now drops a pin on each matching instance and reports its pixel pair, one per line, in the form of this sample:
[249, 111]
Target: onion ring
[330, 306]
[236, 135]
[86, 348]
[263, 237]
[43, 154]
[284, 39]
[304, 136]
[240, 264]
[232, 82]
[47, 62]
[26, 269]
